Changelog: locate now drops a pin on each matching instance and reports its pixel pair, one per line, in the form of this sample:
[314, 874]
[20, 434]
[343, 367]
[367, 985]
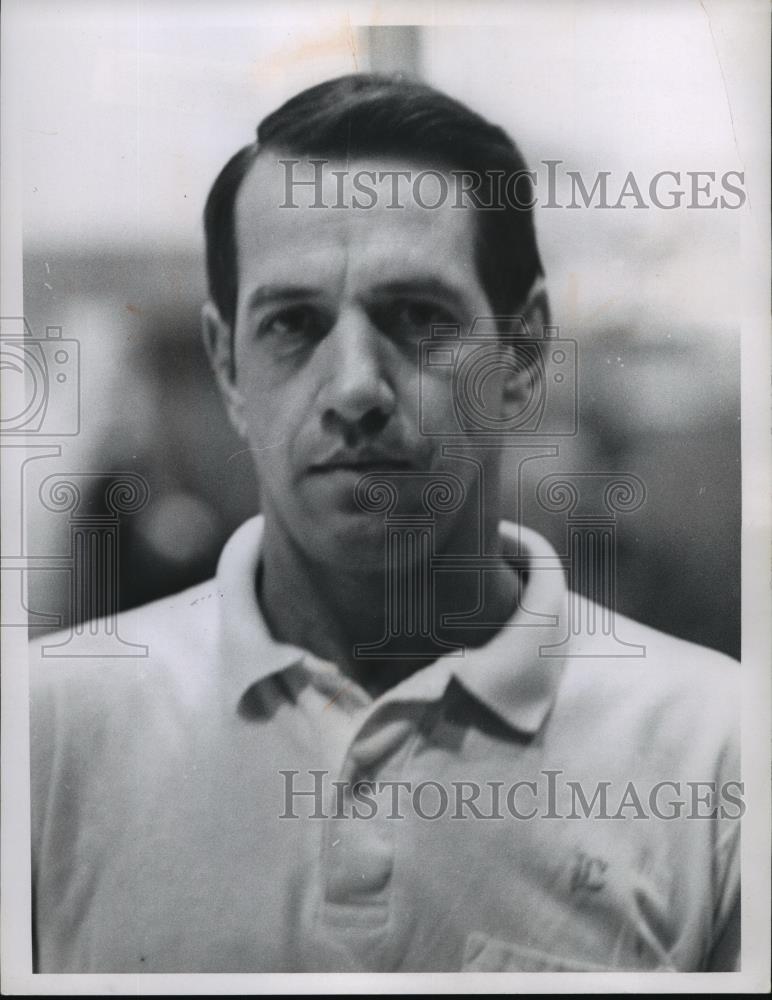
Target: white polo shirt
[512, 808]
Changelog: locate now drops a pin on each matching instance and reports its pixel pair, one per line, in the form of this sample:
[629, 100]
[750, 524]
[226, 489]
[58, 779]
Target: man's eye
[293, 322]
[414, 319]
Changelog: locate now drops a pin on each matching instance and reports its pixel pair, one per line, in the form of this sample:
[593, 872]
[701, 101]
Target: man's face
[332, 306]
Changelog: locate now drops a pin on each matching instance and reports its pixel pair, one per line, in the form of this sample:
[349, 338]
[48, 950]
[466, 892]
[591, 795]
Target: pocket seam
[478, 943]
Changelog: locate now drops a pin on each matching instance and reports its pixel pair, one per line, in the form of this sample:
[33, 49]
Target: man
[364, 744]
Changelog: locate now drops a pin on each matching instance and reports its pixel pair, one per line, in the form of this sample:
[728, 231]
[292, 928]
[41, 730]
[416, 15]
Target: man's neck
[334, 610]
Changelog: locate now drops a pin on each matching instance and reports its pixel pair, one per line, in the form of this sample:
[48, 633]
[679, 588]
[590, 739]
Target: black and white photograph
[385, 497]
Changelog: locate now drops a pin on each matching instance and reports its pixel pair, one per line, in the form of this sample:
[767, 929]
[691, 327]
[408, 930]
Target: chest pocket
[483, 953]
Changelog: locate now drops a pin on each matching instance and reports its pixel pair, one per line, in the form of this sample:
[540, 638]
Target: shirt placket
[358, 897]
[357, 856]
[358, 851]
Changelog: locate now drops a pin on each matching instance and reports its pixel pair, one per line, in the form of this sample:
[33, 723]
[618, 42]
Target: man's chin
[353, 535]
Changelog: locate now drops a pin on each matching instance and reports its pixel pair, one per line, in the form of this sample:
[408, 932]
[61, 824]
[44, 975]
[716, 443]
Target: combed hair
[365, 115]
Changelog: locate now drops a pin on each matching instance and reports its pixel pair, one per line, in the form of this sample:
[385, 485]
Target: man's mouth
[362, 462]
[363, 466]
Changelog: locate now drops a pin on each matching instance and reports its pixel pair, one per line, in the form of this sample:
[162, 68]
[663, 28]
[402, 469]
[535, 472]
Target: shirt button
[369, 748]
[360, 864]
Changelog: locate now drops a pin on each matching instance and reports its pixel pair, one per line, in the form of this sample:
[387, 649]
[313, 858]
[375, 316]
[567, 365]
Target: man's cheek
[434, 413]
[267, 433]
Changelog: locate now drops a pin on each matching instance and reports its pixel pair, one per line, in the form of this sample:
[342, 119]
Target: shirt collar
[513, 675]
[518, 672]
[248, 651]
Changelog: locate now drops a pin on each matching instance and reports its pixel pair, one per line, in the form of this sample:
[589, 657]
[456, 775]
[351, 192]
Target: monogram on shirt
[588, 873]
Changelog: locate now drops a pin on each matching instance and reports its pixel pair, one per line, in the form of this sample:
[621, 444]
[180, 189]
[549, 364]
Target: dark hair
[364, 115]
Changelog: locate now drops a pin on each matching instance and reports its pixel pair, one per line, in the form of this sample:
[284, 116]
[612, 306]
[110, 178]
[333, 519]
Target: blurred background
[130, 110]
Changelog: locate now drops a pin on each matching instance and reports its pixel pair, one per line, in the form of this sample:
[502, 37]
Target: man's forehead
[286, 202]
[391, 182]
[281, 188]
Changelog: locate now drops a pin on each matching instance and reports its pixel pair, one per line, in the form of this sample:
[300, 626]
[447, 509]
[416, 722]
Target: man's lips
[362, 465]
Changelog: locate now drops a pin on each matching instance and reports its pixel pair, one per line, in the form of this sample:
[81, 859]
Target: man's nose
[358, 397]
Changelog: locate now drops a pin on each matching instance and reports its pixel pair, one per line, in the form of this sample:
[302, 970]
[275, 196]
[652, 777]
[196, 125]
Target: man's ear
[218, 341]
[519, 379]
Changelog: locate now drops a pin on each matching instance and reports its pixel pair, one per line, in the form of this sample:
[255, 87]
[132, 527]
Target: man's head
[365, 115]
[317, 313]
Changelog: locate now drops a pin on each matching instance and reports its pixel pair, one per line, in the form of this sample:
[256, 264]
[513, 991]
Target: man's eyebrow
[427, 285]
[279, 293]
[434, 287]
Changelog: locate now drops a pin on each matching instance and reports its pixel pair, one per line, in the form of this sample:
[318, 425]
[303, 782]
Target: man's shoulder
[605, 650]
[649, 678]
[618, 644]
[167, 643]
[616, 637]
